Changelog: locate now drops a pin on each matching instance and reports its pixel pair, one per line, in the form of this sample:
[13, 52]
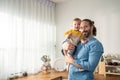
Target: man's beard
[86, 34]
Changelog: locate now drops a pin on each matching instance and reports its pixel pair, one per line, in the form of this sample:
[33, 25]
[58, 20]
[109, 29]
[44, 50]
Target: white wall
[105, 13]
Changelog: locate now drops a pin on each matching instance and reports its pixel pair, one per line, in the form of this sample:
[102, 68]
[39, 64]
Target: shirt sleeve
[68, 32]
[95, 53]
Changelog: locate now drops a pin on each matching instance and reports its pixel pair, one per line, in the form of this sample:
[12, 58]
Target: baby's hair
[76, 19]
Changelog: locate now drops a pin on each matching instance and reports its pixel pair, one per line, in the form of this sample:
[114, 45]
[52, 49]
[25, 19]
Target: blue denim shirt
[87, 55]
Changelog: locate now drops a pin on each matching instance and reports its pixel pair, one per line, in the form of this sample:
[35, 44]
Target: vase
[44, 69]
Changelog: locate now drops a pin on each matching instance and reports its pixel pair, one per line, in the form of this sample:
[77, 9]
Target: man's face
[85, 29]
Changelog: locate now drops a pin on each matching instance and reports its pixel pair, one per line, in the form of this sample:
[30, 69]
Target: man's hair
[94, 31]
[91, 23]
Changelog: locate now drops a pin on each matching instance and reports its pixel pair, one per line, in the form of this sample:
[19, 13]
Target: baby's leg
[71, 53]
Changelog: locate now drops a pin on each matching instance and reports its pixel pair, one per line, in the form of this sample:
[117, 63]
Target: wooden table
[52, 75]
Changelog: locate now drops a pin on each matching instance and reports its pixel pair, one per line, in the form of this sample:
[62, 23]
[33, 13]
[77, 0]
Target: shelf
[113, 73]
[112, 58]
[112, 66]
[103, 68]
[113, 69]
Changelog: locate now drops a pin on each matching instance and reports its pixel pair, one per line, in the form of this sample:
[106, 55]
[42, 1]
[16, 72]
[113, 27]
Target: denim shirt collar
[91, 38]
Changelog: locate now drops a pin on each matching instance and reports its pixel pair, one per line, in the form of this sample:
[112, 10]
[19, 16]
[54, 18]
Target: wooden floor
[41, 76]
[97, 77]
[108, 77]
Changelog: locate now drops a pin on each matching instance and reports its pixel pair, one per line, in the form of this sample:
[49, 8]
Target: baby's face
[76, 25]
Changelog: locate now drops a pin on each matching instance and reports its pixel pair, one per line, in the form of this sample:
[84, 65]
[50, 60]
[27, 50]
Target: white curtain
[27, 31]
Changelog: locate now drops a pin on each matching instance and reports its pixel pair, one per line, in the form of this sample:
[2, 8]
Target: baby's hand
[69, 36]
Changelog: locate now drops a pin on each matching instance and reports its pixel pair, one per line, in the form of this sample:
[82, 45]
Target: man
[87, 54]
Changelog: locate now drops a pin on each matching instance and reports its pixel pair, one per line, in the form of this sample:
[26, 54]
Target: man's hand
[69, 59]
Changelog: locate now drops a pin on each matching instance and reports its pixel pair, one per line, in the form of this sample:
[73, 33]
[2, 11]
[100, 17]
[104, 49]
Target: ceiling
[58, 1]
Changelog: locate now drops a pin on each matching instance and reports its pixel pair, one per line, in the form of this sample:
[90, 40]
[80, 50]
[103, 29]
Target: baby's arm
[68, 36]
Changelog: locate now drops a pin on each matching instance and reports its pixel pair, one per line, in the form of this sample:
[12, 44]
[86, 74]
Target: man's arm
[69, 59]
[95, 53]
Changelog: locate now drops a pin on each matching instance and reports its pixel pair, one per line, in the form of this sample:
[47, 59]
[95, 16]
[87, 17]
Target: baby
[73, 35]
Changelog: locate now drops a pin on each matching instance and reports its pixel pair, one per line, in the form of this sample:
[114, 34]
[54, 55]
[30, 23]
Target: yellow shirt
[76, 36]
